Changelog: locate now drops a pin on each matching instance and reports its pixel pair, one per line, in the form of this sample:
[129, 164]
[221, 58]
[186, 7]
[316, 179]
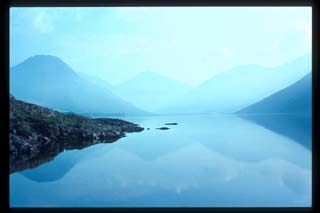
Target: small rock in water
[163, 128]
[171, 124]
[148, 128]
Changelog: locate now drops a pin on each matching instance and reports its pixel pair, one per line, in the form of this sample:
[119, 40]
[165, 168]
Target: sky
[189, 44]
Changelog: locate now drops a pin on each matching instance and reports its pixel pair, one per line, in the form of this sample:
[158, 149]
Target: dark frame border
[97, 3]
[4, 112]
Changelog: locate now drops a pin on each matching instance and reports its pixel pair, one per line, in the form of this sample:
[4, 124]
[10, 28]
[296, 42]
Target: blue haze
[151, 91]
[183, 65]
[240, 87]
[295, 99]
[189, 44]
[47, 81]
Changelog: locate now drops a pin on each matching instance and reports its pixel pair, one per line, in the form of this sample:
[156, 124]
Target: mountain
[96, 80]
[151, 91]
[48, 81]
[239, 87]
[295, 99]
[38, 134]
[287, 112]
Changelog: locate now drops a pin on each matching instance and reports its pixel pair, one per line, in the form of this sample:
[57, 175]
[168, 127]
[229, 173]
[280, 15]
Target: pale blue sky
[190, 44]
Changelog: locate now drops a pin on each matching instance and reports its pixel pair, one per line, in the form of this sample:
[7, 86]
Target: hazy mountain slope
[296, 98]
[239, 87]
[48, 81]
[150, 91]
[96, 80]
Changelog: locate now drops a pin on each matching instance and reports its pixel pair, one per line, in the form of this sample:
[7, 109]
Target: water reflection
[222, 161]
[53, 170]
[52, 150]
[297, 127]
[61, 165]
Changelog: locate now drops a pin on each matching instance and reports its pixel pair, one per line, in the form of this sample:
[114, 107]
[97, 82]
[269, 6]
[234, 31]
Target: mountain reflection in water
[206, 160]
[296, 127]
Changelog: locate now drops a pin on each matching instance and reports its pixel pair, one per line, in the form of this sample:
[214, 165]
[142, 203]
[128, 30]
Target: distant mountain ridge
[48, 81]
[151, 91]
[239, 87]
[297, 98]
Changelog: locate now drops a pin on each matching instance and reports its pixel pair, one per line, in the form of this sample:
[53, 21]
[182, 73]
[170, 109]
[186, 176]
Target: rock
[38, 134]
[171, 124]
[163, 128]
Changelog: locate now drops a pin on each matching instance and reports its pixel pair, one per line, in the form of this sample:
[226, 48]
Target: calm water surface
[216, 161]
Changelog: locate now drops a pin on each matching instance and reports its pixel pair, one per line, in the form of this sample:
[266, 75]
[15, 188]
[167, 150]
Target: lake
[204, 161]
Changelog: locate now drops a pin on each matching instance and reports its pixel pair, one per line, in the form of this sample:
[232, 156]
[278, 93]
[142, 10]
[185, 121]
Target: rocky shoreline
[38, 134]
